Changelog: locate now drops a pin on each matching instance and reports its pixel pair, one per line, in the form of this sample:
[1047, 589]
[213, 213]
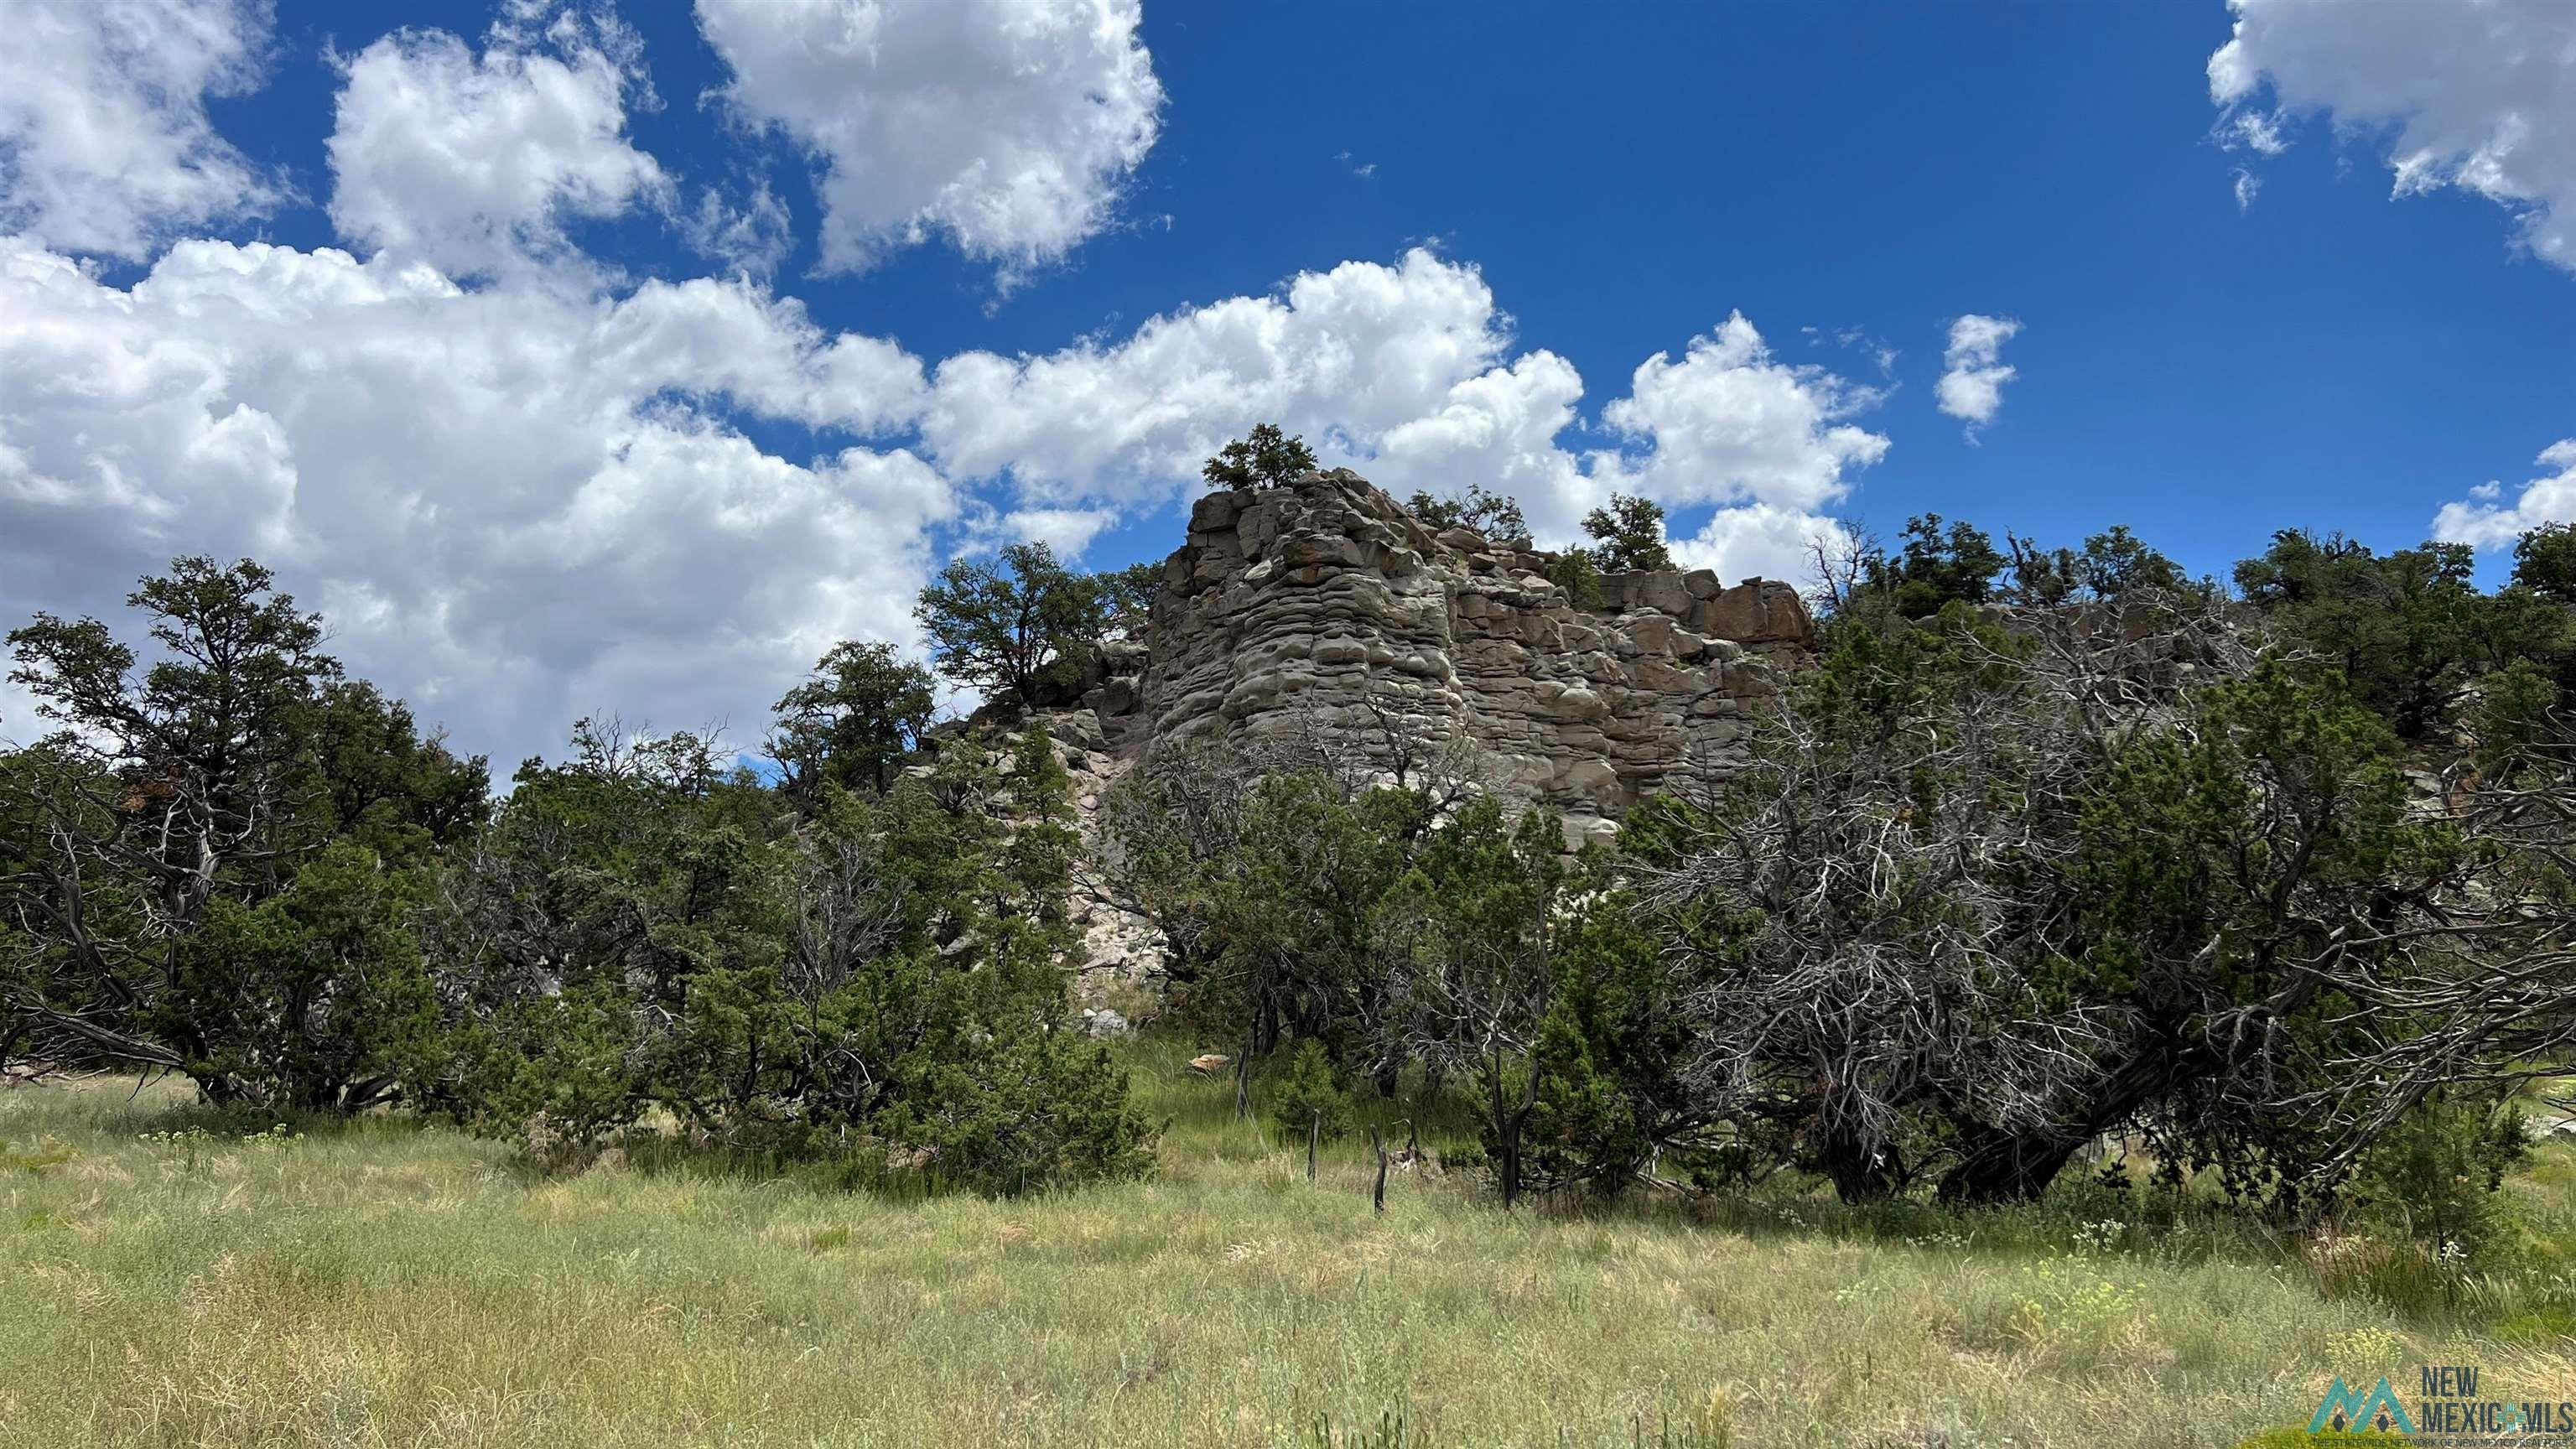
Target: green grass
[384, 1283]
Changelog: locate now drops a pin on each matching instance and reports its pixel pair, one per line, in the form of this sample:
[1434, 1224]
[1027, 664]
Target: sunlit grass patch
[382, 1283]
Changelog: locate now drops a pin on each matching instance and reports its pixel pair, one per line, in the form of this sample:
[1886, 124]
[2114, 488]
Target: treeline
[2271, 879]
[2053, 844]
[236, 865]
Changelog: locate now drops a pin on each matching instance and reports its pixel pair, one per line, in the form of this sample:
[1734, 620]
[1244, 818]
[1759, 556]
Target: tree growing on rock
[1497, 516]
[1575, 572]
[1017, 625]
[1128, 596]
[1628, 535]
[1266, 459]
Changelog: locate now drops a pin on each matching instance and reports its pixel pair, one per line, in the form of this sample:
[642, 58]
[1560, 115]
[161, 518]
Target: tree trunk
[1508, 1126]
[2008, 1168]
[1860, 1171]
[1243, 1081]
[1387, 1076]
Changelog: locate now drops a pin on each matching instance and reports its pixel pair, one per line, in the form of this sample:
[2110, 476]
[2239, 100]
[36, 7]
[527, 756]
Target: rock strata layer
[1323, 609]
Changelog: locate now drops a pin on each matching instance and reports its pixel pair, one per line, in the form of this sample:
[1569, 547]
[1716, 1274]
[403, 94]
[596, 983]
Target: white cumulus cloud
[1069, 531]
[2486, 521]
[104, 142]
[753, 236]
[1409, 374]
[1007, 126]
[1761, 540]
[1973, 373]
[1732, 423]
[475, 163]
[1344, 356]
[2477, 94]
[514, 506]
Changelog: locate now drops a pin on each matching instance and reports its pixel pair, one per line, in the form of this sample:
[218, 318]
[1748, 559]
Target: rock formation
[1324, 608]
[1324, 612]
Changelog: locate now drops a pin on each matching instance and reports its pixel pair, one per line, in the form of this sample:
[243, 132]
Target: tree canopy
[2048, 844]
[1628, 535]
[1265, 459]
[1495, 515]
[210, 865]
[852, 721]
[1017, 624]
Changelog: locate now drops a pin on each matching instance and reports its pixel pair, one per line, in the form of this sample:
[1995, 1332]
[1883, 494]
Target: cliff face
[1323, 608]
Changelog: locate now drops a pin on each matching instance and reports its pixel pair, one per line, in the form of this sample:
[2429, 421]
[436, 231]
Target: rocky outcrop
[1324, 609]
[1120, 945]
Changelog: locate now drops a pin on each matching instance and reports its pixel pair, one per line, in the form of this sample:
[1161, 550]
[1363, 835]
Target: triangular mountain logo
[2347, 1412]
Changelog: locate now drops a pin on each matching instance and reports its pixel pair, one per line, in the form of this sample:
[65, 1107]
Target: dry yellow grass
[393, 1285]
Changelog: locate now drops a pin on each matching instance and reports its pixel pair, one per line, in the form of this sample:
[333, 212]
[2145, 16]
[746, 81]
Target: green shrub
[1310, 1092]
[562, 1086]
[316, 999]
[1609, 1056]
[1628, 535]
[2434, 1176]
[1040, 1108]
[877, 983]
[1575, 572]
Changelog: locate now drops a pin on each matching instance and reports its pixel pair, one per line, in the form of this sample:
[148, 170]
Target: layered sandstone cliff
[1323, 608]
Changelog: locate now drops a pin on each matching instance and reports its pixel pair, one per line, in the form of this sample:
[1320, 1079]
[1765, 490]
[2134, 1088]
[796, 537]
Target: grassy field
[169, 1279]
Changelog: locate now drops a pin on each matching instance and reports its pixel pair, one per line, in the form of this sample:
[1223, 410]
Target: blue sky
[2227, 319]
[2322, 358]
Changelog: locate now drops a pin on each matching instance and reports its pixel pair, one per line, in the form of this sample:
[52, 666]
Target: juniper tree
[852, 721]
[1627, 535]
[1018, 624]
[1265, 459]
[174, 897]
[880, 979]
[1497, 516]
[1988, 892]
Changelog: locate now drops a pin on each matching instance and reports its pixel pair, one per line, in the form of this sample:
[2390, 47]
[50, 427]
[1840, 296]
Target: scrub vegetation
[2106, 1007]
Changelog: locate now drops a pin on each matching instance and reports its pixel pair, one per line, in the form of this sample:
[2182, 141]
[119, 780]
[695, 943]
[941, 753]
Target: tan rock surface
[1323, 610]
[1299, 608]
